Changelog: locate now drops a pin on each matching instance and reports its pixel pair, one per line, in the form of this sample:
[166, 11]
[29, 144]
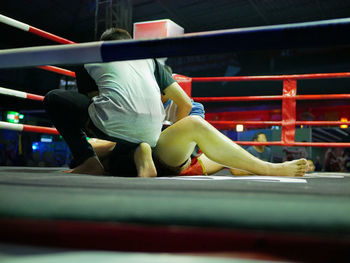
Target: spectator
[331, 162]
[346, 159]
[260, 151]
[293, 154]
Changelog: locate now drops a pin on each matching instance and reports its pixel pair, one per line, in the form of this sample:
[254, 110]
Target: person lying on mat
[172, 153]
[127, 109]
[200, 164]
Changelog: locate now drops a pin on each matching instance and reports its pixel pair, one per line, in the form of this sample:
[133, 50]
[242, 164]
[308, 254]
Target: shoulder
[95, 66]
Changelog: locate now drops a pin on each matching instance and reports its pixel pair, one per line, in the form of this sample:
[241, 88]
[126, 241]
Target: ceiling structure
[75, 19]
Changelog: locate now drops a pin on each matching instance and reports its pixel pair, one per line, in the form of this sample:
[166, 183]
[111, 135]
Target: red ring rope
[288, 98]
[58, 70]
[279, 123]
[42, 33]
[39, 129]
[27, 128]
[48, 35]
[20, 94]
[274, 97]
[276, 77]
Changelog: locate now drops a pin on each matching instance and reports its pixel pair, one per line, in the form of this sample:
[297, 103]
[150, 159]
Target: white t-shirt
[128, 106]
[171, 112]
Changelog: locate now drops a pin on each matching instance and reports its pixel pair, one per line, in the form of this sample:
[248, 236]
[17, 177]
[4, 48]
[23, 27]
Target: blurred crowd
[19, 152]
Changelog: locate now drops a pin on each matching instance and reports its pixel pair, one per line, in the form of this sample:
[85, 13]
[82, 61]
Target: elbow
[188, 106]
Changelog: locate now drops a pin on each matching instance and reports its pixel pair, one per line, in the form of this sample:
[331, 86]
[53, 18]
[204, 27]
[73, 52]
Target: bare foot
[67, 171]
[291, 169]
[91, 166]
[144, 162]
[311, 166]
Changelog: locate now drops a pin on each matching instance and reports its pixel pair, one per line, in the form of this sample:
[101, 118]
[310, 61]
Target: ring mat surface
[318, 203]
[309, 214]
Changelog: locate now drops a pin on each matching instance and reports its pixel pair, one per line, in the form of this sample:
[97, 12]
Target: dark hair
[115, 33]
[256, 135]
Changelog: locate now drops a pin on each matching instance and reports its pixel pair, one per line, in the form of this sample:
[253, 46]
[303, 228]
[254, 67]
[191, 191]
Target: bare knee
[194, 122]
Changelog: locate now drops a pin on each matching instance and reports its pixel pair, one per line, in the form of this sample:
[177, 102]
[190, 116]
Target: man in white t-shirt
[127, 110]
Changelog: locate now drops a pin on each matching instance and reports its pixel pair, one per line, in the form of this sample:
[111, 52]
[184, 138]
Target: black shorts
[121, 160]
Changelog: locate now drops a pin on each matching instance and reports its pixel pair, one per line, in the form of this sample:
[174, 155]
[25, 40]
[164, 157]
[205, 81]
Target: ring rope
[20, 94]
[275, 97]
[273, 77]
[288, 98]
[28, 28]
[40, 129]
[233, 124]
[27, 128]
[58, 70]
[227, 124]
[320, 33]
[25, 27]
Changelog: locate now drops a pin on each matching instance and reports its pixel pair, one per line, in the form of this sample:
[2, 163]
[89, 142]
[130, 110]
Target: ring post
[185, 83]
[289, 111]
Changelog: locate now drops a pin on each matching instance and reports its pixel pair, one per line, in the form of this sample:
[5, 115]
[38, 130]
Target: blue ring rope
[327, 33]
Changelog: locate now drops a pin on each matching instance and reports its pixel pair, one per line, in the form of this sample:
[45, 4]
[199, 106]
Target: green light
[13, 116]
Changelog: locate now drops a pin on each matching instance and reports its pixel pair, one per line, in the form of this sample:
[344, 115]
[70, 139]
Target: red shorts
[195, 168]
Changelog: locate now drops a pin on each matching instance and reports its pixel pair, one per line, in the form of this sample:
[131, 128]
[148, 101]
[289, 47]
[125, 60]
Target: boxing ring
[273, 218]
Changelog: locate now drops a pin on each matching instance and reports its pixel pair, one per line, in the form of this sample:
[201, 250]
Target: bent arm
[180, 98]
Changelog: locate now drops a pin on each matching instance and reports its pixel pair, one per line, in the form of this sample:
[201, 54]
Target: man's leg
[176, 144]
[69, 112]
